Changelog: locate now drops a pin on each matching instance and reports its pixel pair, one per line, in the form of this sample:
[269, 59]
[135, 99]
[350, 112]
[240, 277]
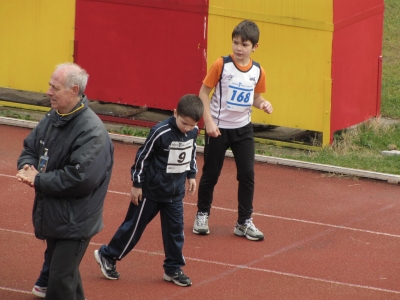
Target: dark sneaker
[178, 278]
[39, 291]
[107, 266]
[248, 230]
[201, 223]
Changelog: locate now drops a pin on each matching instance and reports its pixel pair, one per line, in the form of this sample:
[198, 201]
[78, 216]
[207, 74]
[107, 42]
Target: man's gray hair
[75, 75]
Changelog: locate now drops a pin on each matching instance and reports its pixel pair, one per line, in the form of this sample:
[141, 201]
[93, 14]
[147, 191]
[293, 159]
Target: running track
[326, 238]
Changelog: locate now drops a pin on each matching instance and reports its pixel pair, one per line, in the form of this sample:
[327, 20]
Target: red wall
[142, 52]
[356, 73]
[345, 9]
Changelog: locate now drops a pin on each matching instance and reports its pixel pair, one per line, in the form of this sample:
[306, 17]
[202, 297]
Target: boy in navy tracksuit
[162, 165]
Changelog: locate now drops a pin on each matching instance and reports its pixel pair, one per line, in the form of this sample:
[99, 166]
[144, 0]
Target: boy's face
[242, 50]
[185, 124]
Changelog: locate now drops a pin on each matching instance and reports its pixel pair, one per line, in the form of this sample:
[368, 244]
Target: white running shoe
[248, 230]
[201, 223]
[39, 291]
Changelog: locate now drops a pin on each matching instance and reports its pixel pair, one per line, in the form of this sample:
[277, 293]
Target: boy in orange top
[238, 82]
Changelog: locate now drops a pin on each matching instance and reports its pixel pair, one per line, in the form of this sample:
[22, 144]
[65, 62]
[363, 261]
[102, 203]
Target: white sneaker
[39, 291]
[248, 230]
[201, 223]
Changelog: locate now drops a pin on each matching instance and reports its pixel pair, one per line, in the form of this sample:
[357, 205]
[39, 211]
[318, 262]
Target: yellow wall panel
[300, 13]
[295, 50]
[35, 36]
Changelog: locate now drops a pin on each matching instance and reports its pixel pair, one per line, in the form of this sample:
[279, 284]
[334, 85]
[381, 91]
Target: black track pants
[241, 142]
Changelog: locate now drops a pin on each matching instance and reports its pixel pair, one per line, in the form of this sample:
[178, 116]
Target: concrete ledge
[330, 169]
[18, 122]
[127, 138]
[390, 152]
[260, 158]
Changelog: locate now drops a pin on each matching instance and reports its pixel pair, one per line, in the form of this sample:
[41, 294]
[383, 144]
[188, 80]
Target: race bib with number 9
[180, 155]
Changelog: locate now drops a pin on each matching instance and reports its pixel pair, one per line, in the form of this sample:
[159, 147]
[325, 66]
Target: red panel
[127, 121]
[346, 9]
[142, 53]
[356, 76]
[199, 6]
[379, 95]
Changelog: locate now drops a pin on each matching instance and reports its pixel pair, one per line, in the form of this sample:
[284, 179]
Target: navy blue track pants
[136, 220]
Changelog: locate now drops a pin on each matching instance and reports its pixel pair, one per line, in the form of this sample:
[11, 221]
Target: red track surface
[326, 238]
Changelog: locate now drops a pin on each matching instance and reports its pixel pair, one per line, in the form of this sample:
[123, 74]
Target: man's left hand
[27, 175]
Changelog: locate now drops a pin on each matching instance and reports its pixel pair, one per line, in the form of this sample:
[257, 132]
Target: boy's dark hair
[248, 31]
[191, 106]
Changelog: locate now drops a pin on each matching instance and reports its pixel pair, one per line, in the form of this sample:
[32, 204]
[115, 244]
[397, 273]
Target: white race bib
[240, 96]
[180, 155]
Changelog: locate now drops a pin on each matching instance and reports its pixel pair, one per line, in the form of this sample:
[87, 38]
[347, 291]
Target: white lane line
[14, 290]
[275, 217]
[291, 219]
[16, 231]
[331, 225]
[120, 193]
[244, 267]
[240, 267]
[9, 176]
[296, 276]
[278, 217]
[307, 222]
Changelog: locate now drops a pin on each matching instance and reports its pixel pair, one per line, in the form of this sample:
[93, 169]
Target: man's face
[61, 98]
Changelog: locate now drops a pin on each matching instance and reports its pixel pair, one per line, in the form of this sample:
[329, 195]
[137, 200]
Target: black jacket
[69, 196]
[157, 171]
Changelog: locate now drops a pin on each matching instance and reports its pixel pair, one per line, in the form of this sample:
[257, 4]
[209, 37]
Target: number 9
[182, 157]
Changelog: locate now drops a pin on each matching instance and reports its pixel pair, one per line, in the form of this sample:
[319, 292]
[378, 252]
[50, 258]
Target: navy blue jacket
[149, 171]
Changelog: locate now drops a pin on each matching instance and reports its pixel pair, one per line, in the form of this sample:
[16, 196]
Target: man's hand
[136, 195]
[27, 175]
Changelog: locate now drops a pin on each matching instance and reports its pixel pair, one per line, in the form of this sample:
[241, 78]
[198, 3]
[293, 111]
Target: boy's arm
[261, 103]
[192, 186]
[191, 174]
[211, 127]
[143, 157]
[136, 195]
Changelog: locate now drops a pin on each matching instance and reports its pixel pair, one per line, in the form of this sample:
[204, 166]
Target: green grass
[12, 114]
[135, 131]
[358, 147]
[390, 105]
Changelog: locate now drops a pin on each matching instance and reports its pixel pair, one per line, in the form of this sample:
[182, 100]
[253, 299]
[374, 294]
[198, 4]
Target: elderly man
[68, 159]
